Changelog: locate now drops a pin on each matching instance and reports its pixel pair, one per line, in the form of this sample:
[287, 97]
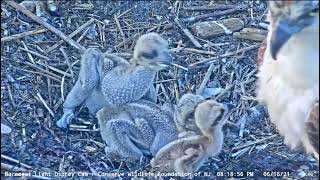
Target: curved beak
[283, 30]
[280, 35]
[165, 59]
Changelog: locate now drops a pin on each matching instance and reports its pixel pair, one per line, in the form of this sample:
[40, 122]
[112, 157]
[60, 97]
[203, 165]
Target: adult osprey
[288, 75]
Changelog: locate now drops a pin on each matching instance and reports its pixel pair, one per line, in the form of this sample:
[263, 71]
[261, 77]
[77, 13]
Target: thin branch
[45, 24]
[24, 34]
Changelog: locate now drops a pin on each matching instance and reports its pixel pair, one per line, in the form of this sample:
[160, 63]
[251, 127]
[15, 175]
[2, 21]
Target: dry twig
[29, 54]
[45, 104]
[255, 142]
[45, 24]
[187, 32]
[119, 27]
[74, 33]
[215, 14]
[205, 79]
[223, 92]
[15, 161]
[9, 167]
[24, 34]
[68, 62]
[225, 55]
[208, 7]
[34, 53]
[192, 50]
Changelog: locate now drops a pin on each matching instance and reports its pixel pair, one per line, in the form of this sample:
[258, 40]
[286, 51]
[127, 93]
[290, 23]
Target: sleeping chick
[106, 80]
[136, 129]
[187, 154]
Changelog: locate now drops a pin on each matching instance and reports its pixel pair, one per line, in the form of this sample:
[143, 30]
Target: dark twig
[215, 7]
[205, 79]
[225, 55]
[187, 33]
[215, 14]
[24, 34]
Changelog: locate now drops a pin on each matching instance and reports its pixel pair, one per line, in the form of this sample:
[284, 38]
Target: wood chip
[251, 34]
[209, 29]
[90, 149]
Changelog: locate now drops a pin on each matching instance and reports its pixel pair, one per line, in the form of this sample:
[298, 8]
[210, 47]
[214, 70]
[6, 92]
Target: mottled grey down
[87, 89]
[106, 80]
[184, 114]
[136, 129]
[120, 86]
